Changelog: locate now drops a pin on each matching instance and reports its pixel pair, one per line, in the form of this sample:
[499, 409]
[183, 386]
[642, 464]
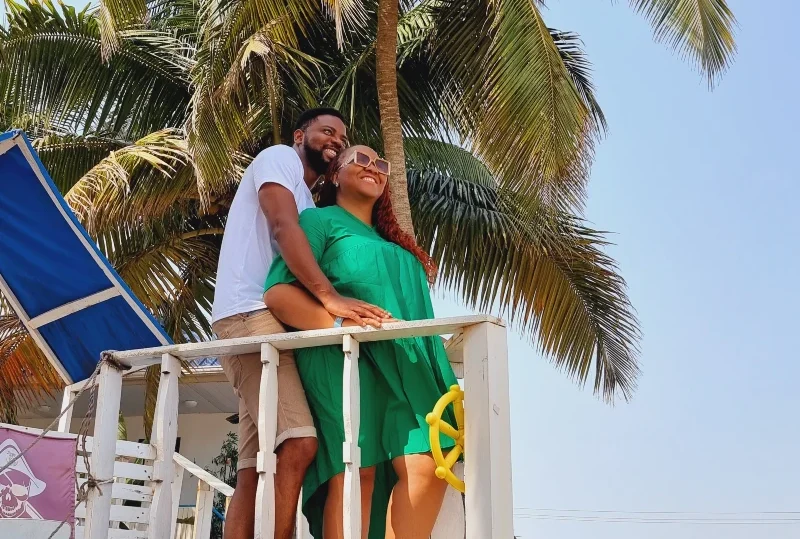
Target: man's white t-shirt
[248, 246]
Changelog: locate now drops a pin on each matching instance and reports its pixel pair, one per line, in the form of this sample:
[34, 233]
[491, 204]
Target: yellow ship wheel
[444, 464]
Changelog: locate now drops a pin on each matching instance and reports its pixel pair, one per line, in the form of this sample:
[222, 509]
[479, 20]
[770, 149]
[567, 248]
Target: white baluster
[203, 510]
[352, 453]
[177, 486]
[267, 425]
[104, 448]
[165, 433]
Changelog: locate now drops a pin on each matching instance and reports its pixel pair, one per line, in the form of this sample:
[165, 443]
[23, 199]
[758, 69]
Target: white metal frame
[116, 289]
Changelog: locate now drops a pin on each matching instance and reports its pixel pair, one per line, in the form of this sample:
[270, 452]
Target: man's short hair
[308, 117]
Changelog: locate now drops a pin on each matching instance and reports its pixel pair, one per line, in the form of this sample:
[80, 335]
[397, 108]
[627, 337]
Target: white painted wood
[124, 491]
[8, 144]
[37, 432]
[34, 333]
[125, 470]
[66, 419]
[177, 485]
[73, 307]
[451, 523]
[351, 404]
[489, 501]
[302, 530]
[124, 448]
[98, 505]
[114, 534]
[267, 427]
[202, 511]
[458, 370]
[165, 432]
[454, 346]
[302, 339]
[214, 482]
[91, 248]
[121, 513]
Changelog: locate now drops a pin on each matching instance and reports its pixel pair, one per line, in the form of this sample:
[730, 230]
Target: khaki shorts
[244, 373]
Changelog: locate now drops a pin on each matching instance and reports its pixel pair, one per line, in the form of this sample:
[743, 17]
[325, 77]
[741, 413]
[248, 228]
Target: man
[263, 220]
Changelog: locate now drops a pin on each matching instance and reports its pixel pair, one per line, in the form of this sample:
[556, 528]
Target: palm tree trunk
[389, 108]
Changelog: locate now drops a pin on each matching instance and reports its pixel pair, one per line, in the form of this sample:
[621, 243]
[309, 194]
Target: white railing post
[267, 425]
[351, 400]
[164, 435]
[203, 510]
[489, 504]
[104, 448]
[177, 486]
[65, 422]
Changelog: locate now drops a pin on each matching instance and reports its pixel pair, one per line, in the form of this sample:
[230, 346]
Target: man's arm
[279, 206]
[295, 307]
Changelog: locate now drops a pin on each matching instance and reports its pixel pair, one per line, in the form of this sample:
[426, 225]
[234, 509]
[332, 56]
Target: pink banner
[37, 492]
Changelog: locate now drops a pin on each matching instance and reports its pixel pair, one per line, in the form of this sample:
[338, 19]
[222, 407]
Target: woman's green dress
[400, 380]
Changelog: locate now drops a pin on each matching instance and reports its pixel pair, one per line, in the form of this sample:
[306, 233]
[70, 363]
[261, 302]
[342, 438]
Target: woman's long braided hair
[382, 216]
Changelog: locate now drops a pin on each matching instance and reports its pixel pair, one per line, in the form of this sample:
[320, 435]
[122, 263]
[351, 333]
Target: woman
[355, 237]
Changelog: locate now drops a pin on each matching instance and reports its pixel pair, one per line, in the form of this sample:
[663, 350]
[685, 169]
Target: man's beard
[315, 159]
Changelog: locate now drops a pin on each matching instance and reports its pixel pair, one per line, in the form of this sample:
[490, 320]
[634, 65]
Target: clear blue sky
[701, 189]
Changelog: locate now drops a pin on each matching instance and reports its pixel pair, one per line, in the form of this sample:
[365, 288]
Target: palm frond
[512, 96]
[115, 16]
[67, 157]
[25, 374]
[52, 58]
[444, 158]
[169, 265]
[143, 180]
[346, 14]
[240, 77]
[701, 30]
[579, 69]
[542, 268]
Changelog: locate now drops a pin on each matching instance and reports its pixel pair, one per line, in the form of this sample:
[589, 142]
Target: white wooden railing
[478, 343]
[140, 469]
[207, 486]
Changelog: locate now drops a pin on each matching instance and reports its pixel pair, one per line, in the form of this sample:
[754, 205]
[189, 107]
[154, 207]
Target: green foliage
[225, 469]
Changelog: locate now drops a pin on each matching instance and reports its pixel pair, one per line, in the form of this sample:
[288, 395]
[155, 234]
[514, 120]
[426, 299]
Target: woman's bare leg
[416, 498]
[333, 515]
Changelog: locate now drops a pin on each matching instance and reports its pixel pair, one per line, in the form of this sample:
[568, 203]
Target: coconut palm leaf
[55, 73]
[68, 157]
[242, 71]
[346, 14]
[544, 269]
[140, 181]
[701, 30]
[115, 16]
[25, 374]
[579, 68]
[514, 98]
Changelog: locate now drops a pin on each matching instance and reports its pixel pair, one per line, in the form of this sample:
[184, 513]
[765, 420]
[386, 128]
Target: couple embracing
[287, 262]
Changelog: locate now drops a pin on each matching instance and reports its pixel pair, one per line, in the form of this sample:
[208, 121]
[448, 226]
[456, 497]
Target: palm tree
[145, 113]
[529, 110]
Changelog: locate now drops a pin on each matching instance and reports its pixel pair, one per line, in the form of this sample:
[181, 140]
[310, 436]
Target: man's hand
[360, 312]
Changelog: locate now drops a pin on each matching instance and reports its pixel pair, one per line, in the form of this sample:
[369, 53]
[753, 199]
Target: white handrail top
[303, 339]
[202, 475]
